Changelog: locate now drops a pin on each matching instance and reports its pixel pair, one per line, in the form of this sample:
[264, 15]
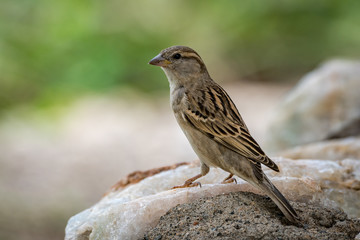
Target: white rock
[128, 213]
[325, 102]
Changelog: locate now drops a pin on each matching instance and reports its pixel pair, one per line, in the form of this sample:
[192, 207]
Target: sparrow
[214, 126]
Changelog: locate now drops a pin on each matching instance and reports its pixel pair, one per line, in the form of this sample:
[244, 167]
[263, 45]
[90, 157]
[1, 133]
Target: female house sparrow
[213, 125]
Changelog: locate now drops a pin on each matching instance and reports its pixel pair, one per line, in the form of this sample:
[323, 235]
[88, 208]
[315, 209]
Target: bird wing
[212, 112]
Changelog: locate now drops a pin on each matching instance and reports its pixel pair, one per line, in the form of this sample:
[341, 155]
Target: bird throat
[184, 80]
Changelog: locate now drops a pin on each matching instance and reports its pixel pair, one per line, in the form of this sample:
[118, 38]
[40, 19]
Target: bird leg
[229, 179]
[190, 182]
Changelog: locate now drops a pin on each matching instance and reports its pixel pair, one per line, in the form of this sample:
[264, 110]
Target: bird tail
[279, 200]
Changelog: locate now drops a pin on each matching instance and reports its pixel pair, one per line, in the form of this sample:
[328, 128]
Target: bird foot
[229, 180]
[188, 184]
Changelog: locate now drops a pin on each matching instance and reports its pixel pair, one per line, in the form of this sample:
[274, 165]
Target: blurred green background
[54, 51]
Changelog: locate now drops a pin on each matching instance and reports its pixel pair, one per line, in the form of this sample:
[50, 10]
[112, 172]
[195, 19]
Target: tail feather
[279, 200]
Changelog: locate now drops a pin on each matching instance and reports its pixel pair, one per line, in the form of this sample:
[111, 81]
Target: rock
[347, 149]
[350, 128]
[332, 150]
[129, 212]
[251, 216]
[325, 104]
[338, 179]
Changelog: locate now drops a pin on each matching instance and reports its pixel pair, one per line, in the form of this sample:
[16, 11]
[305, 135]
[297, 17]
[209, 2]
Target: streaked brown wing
[213, 113]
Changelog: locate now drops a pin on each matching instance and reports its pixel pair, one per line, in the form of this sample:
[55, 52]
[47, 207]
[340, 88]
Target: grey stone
[245, 215]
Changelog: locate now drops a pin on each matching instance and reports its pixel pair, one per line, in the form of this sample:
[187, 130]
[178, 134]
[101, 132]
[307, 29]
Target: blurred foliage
[53, 51]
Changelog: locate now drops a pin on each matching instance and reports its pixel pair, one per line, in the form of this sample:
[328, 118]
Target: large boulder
[134, 207]
[325, 104]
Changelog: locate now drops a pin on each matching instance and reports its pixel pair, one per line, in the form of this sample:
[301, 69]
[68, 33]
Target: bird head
[180, 63]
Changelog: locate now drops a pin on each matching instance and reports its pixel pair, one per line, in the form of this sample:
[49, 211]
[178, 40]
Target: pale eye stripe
[189, 55]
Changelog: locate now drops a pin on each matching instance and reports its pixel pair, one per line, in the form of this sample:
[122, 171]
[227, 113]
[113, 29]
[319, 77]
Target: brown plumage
[213, 125]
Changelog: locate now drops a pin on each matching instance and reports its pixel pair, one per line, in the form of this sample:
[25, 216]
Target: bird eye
[177, 56]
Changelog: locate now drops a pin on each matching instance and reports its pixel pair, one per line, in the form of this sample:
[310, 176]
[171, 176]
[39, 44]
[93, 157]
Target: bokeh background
[80, 108]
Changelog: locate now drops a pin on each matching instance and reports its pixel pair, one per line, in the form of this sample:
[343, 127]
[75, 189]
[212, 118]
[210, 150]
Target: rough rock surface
[325, 104]
[129, 212]
[244, 215]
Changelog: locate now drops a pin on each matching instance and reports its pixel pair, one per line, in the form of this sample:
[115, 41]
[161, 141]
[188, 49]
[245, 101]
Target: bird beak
[159, 61]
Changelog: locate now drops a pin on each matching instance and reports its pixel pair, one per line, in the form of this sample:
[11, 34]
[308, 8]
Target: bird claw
[230, 180]
[188, 184]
